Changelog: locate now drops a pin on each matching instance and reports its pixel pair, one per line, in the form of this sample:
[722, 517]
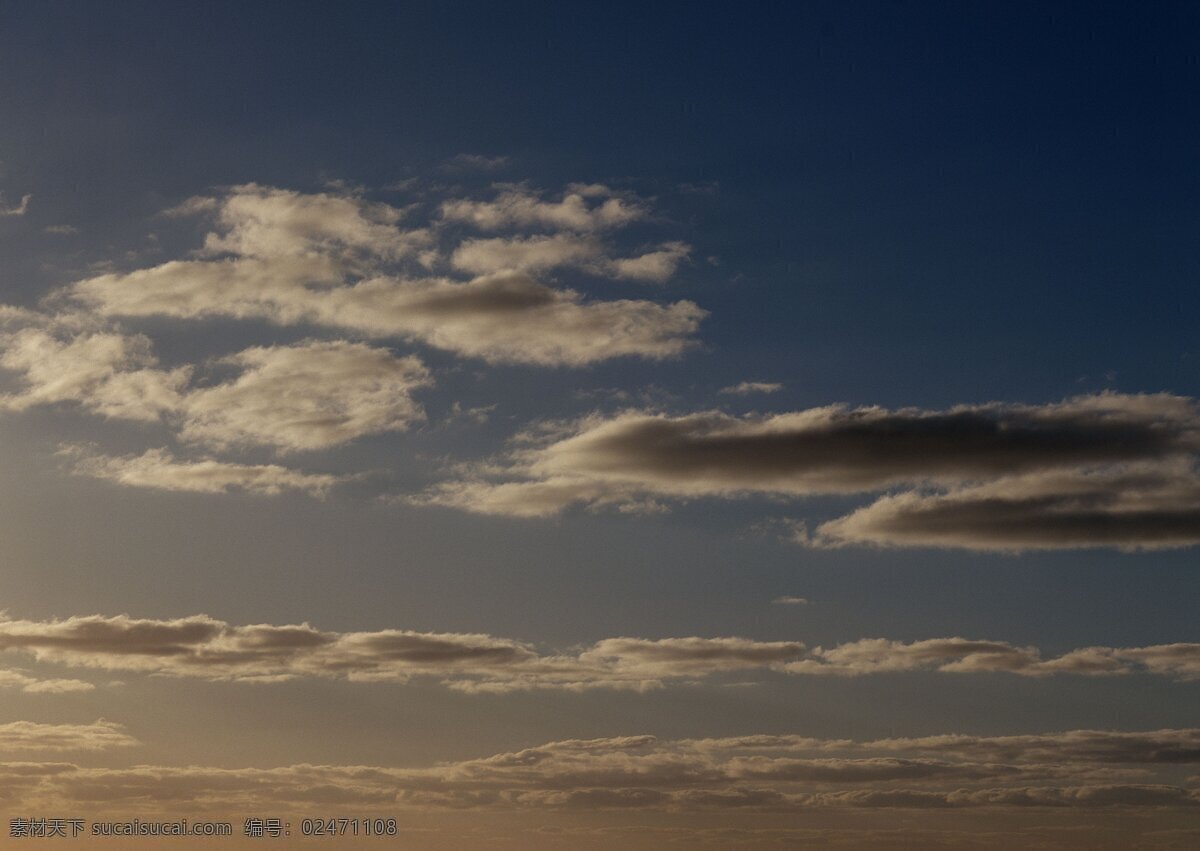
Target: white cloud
[18, 210]
[747, 388]
[627, 773]
[583, 208]
[111, 374]
[264, 222]
[159, 469]
[1166, 747]
[32, 736]
[206, 648]
[307, 396]
[339, 261]
[506, 318]
[475, 162]
[10, 678]
[566, 250]
[657, 265]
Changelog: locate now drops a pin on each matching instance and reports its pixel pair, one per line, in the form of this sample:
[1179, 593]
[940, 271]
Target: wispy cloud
[566, 250]
[10, 678]
[748, 388]
[17, 210]
[645, 773]
[32, 736]
[158, 469]
[583, 208]
[475, 162]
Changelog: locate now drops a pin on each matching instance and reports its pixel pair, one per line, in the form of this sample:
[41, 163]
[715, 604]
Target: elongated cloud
[1165, 747]
[748, 388]
[341, 262]
[1106, 470]
[10, 678]
[504, 318]
[160, 470]
[623, 772]
[1137, 506]
[206, 648]
[538, 253]
[31, 736]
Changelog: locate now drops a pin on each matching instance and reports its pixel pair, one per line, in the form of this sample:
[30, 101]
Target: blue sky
[529, 330]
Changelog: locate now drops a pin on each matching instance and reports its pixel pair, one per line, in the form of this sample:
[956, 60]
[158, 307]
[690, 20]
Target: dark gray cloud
[1144, 506]
[1108, 470]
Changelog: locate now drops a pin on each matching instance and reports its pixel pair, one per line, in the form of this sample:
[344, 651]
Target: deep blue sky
[1011, 182]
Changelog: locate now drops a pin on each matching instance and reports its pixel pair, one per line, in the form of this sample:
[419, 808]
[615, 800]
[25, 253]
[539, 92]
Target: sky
[608, 426]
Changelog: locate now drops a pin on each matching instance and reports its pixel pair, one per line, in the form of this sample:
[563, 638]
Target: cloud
[963, 655]
[308, 396]
[264, 222]
[111, 374]
[566, 250]
[582, 208]
[502, 318]
[160, 470]
[671, 657]
[790, 601]
[31, 736]
[1108, 470]
[622, 773]
[525, 254]
[18, 210]
[657, 265]
[747, 388]
[337, 261]
[1136, 506]
[475, 162]
[300, 397]
[10, 678]
[207, 648]
[1165, 747]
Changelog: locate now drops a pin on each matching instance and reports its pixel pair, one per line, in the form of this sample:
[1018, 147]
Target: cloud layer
[643, 773]
[206, 648]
